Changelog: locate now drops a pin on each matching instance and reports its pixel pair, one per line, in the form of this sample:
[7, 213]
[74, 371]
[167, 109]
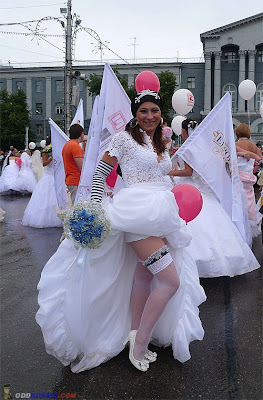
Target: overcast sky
[163, 28]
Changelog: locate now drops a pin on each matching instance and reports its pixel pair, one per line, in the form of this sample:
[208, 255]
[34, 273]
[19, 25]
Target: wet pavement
[227, 364]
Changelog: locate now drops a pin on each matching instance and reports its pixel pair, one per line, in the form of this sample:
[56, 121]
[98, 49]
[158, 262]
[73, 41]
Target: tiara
[146, 93]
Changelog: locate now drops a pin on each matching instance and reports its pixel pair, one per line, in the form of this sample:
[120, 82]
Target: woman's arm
[103, 169]
[187, 171]
[47, 158]
[247, 154]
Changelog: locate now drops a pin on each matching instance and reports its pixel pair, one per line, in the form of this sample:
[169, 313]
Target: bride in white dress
[41, 209]
[26, 181]
[217, 246]
[9, 176]
[142, 278]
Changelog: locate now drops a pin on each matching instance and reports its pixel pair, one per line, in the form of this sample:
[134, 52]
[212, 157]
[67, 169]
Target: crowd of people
[141, 283]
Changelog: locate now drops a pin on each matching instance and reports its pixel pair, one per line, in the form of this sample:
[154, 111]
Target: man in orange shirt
[73, 157]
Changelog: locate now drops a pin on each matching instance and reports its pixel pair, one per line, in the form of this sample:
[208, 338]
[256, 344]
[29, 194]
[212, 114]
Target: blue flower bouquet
[86, 224]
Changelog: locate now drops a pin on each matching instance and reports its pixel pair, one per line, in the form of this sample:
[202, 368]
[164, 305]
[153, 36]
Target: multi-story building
[232, 53]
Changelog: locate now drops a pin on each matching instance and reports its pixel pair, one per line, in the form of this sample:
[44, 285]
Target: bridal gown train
[41, 209]
[217, 246]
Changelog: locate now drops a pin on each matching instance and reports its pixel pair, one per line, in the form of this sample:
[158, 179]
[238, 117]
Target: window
[39, 108]
[260, 56]
[259, 98]
[38, 86]
[59, 108]
[19, 85]
[230, 88]
[39, 129]
[259, 128]
[191, 82]
[2, 86]
[59, 86]
[230, 57]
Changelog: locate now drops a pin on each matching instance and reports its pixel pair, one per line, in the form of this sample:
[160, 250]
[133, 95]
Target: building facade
[232, 53]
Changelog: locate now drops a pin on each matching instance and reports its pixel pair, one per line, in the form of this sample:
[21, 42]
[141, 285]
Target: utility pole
[68, 69]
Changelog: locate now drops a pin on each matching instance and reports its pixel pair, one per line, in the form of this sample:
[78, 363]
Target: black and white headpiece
[143, 97]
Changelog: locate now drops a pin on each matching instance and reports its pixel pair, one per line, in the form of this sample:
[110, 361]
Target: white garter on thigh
[158, 260]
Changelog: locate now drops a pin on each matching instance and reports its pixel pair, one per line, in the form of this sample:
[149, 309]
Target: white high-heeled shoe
[142, 365]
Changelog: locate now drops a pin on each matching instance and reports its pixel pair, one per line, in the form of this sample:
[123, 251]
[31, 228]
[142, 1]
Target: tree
[14, 117]
[167, 86]
[94, 84]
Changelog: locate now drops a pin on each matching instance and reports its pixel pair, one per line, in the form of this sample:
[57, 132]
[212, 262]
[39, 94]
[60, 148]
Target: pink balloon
[147, 80]
[189, 201]
[18, 161]
[112, 177]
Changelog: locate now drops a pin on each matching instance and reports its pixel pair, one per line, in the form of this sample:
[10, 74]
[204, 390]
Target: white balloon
[247, 89]
[177, 124]
[183, 101]
[32, 145]
[43, 143]
[261, 110]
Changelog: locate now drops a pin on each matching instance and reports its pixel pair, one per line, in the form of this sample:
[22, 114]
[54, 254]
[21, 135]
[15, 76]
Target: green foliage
[167, 87]
[94, 84]
[14, 117]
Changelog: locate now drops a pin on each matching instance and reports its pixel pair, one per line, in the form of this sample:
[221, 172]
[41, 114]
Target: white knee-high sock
[140, 292]
[155, 305]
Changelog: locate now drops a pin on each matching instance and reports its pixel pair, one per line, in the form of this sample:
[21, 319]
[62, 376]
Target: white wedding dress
[84, 295]
[9, 177]
[41, 209]
[248, 179]
[26, 181]
[217, 246]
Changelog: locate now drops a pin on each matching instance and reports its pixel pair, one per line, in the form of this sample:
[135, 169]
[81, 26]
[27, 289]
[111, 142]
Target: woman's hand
[187, 171]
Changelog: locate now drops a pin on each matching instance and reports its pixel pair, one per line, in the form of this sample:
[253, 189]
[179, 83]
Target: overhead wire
[39, 5]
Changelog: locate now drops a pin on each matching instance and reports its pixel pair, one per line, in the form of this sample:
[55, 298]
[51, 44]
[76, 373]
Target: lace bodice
[139, 163]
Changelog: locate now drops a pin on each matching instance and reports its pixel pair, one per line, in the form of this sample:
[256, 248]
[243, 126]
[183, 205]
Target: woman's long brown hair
[158, 142]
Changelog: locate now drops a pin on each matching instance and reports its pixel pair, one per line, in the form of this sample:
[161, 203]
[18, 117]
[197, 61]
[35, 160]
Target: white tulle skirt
[41, 209]
[26, 181]
[217, 246]
[84, 295]
[9, 177]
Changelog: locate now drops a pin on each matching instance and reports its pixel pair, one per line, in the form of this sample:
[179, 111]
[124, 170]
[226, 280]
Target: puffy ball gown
[26, 181]
[216, 246]
[84, 294]
[9, 177]
[41, 209]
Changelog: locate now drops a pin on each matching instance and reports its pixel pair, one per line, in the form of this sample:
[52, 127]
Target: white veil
[37, 165]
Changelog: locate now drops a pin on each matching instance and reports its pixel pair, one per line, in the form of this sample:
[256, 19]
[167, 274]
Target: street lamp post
[44, 123]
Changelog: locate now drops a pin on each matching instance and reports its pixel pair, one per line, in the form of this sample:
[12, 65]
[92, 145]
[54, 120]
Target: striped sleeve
[102, 171]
